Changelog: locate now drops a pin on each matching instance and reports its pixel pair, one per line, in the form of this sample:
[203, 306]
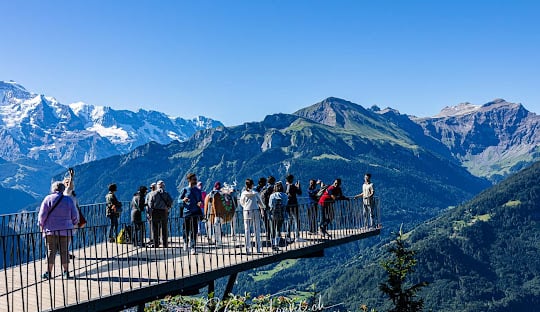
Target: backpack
[124, 237]
[265, 195]
[277, 212]
[321, 191]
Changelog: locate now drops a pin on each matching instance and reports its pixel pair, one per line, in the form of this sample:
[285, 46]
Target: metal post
[211, 288]
[230, 285]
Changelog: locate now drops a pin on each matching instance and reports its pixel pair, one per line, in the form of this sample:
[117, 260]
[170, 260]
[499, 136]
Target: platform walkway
[110, 276]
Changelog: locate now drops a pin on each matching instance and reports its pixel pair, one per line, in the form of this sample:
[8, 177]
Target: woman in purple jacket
[56, 218]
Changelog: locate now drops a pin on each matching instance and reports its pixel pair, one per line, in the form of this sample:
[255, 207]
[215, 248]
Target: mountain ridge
[44, 121]
[492, 140]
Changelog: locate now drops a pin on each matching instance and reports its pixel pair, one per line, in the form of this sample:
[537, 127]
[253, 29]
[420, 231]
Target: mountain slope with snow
[39, 127]
[39, 135]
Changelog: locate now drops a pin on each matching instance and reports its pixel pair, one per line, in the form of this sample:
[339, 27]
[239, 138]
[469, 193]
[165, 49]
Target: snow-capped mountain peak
[39, 127]
[458, 110]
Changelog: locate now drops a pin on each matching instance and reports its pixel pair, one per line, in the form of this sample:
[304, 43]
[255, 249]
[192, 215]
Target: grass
[266, 275]
[512, 203]
[460, 225]
[328, 156]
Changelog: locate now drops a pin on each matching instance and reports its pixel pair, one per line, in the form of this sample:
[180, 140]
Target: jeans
[312, 213]
[191, 230]
[138, 233]
[327, 215]
[293, 220]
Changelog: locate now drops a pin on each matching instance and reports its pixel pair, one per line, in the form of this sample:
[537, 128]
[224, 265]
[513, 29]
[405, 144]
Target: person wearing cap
[191, 201]
[159, 203]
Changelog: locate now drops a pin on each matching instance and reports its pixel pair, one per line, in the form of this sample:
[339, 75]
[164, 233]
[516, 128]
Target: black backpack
[265, 195]
[277, 212]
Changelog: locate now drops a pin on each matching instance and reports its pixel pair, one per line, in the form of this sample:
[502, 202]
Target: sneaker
[111, 240]
[301, 240]
[65, 275]
[289, 240]
[46, 275]
[185, 247]
[71, 256]
[193, 251]
[275, 248]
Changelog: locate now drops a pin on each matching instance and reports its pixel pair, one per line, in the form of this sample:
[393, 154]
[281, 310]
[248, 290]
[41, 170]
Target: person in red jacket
[326, 202]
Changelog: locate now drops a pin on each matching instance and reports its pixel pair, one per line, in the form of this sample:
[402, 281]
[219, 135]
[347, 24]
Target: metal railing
[101, 269]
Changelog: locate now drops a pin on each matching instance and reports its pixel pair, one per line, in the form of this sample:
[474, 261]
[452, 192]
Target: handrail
[102, 269]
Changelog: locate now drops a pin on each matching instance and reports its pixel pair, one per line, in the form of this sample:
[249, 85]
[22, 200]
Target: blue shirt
[195, 196]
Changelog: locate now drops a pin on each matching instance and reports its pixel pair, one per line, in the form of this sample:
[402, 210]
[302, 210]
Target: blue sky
[237, 61]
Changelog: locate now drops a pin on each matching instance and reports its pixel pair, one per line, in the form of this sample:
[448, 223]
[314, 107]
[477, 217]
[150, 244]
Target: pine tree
[398, 268]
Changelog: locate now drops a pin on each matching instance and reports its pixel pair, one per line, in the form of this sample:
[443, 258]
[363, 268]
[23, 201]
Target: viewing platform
[107, 276]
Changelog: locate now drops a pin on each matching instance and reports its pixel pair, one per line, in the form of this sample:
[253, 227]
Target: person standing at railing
[202, 222]
[191, 201]
[253, 207]
[137, 208]
[148, 215]
[56, 218]
[277, 213]
[368, 200]
[326, 203]
[261, 184]
[159, 203]
[265, 193]
[114, 208]
[70, 191]
[313, 209]
[293, 190]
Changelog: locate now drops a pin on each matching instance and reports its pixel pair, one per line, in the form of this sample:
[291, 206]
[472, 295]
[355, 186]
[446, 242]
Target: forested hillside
[480, 256]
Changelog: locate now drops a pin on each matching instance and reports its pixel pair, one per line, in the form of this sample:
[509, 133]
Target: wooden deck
[106, 275]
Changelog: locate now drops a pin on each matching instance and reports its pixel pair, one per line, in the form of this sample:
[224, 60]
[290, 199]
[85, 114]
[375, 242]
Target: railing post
[211, 288]
[229, 287]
